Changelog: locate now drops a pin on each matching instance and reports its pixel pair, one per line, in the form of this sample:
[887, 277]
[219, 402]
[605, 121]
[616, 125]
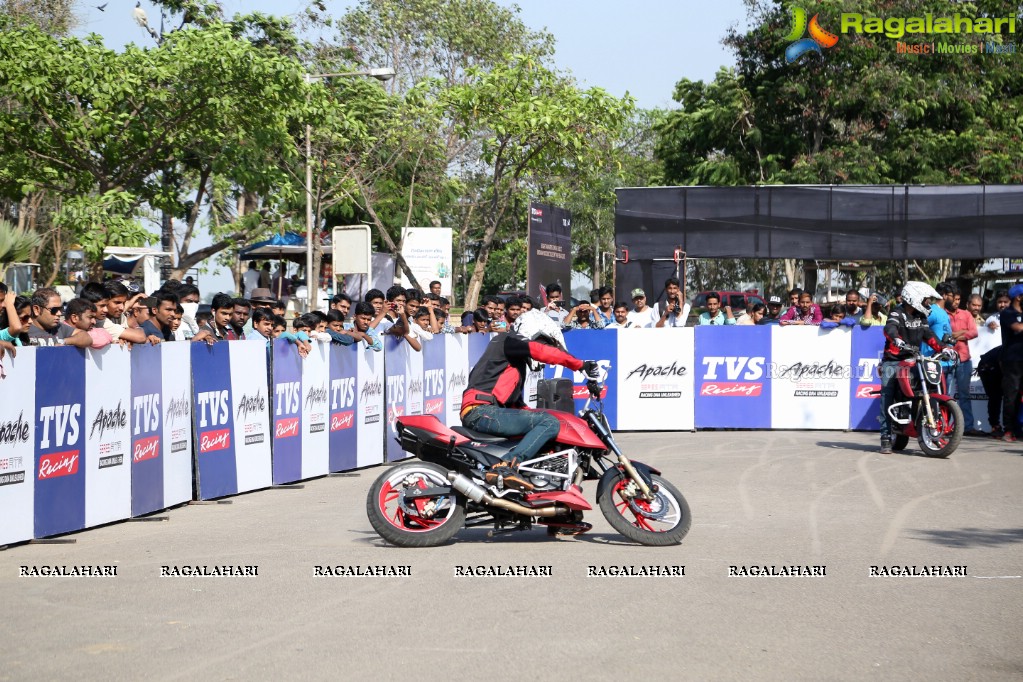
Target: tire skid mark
[815, 541]
[868, 480]
[905, 510]
[744, 495]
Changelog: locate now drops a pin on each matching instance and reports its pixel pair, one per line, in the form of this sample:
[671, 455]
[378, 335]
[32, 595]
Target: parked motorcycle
[426, 501]
[922, 408]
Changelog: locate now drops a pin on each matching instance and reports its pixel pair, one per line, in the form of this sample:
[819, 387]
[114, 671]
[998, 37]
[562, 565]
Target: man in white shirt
[251, 279]
[642, 315]
[621, 317]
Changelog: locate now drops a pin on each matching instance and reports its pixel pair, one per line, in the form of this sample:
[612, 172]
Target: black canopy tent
[827, 222]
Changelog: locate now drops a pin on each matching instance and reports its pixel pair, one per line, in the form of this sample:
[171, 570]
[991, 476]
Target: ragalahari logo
[819, 38]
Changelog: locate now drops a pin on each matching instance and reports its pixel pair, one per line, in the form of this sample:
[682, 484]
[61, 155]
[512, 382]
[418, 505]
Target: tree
[539, 126]
[103, 128]
[16, 245]
[862, 113]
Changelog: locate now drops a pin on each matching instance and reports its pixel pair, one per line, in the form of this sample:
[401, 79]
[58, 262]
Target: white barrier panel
[371, 406]
[986, 340]
[17, 439]
[108, 435]
[315, 412]
[655, 379]
[456, 374]
[810, 374]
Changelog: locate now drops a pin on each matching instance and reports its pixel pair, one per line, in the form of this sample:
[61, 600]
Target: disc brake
[630, 492]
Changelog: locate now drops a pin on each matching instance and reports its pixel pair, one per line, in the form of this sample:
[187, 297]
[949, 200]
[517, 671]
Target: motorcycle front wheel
[665, 520]
[422, 522]
[944, 438]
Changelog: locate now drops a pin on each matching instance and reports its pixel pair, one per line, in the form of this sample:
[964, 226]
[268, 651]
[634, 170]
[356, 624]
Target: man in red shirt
[964, 328]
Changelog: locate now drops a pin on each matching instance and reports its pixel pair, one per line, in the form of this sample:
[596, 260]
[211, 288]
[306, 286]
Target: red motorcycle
[922, 408]
[426, 501]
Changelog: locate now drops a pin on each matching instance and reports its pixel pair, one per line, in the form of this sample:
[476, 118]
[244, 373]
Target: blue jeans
[962, 393]
[889, 384]
[538, 427]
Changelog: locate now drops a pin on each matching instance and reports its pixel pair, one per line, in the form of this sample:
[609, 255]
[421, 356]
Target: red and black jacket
[498, 377]
[913, 329]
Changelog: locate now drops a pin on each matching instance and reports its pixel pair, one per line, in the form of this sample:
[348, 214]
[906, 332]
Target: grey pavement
[758, 498]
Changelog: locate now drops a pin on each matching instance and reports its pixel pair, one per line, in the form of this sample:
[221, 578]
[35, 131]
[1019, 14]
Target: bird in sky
[103, 7]
[139, 15]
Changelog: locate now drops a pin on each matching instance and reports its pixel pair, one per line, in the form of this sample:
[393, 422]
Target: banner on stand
[108, 439]
[456, 367]
[286, 401]
[732, 384]
[396, 355]
[343, 436]
[59, 441]
[655, 379]
[17, 446]
[810, 377]
[865, 360]
[371, 409]
[601, 346]
[549, 257]
[232, 417]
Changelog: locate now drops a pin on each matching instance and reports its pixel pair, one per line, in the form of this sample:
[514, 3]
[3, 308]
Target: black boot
[886, 445]
[508, 473]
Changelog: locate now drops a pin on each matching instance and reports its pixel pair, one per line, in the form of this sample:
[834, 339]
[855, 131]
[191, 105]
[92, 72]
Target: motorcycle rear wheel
[900, 442]
[399, 522]
[664, 521]
[945, 442]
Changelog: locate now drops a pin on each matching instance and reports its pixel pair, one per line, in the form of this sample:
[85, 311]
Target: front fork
[926, 397]
[600, 426]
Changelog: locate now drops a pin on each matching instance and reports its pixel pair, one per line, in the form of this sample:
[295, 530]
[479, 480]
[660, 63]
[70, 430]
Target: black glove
[591, 369]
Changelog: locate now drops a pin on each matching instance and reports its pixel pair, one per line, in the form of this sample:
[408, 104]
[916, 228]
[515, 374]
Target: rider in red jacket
[493, 402]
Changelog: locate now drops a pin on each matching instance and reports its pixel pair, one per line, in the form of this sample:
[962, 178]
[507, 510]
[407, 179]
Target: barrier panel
[865, 357]
[229, 389]
[161, 427]
[17, 446]
[396, 371]
[733, 388]
[370, 410]
[809, 373]
[108, 435]
[456, 374]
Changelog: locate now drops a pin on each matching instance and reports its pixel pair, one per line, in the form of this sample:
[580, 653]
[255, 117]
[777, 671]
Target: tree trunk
[472, 292]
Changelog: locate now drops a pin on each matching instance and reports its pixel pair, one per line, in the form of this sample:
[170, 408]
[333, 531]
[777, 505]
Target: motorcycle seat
[478, 436]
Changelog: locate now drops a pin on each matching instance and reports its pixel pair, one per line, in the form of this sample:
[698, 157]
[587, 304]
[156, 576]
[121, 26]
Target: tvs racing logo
[342, 420]
[65, 432]
[749, 369]
[286, 428]
[146, 448]
[215, 440]
[116, 418]
[58, 464]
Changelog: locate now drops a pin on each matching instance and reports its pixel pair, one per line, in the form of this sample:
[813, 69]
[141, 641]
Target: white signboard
[107, 435]
[810, 377]
[655, 379]
[17, 439]
[427, 250]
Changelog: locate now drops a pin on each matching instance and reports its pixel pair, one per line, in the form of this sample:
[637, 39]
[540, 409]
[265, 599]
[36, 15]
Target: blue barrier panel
[592, 344]
[733, 387]
[286, 399]
[344, 406]
[864, 408]
[396, 361]
[434, 383]
[60, 441]
[146, 430]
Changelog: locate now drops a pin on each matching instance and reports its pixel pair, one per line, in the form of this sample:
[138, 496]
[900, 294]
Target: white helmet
[536, 326]
[916, 293]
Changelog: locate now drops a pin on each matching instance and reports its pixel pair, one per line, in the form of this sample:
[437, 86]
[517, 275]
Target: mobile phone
[561, 304]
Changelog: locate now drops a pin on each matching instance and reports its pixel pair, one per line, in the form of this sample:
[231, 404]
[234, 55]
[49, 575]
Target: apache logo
[316, 396]
[116, 418]
[177, 407]
[819, 38]
[416, 386]
[673, 370]
[250, 404]
[457, 380]
[814, 370]
[371, 388]
[12, 432]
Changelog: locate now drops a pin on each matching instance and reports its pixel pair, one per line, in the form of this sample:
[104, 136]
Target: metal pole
[310, 286]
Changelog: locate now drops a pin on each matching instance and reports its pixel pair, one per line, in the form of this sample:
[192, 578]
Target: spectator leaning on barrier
[713, 314]
[114, 322]
[794, 298]
[512, 309]
[161, 316]
[15, 316]
[138, 313]
[341, 303]
[621, 315]
[675, 309]
[806, 312]
[46, 328]
[1011, 322]
[641, 314]
[873, 315]
[753, 314]
[219, 327]
[605, 307]
[362, 331]
[241, 310]
[837, 317]
[773, 313]
[582, 317]
[376, 298]
[964, 328]
[853, 303]
[81, 314]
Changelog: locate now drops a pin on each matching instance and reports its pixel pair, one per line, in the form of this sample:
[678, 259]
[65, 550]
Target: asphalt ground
[758, 498]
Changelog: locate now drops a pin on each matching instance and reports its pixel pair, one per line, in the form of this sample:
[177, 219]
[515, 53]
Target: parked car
[738, 300]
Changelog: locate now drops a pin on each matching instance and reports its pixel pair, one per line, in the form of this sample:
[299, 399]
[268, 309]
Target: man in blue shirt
[714, 315]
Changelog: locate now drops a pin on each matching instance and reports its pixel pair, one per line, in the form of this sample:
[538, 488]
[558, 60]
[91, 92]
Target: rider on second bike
[493, 402]
[906, 326]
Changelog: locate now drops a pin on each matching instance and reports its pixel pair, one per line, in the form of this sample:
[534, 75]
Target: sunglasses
[25, 318]
[56, 310]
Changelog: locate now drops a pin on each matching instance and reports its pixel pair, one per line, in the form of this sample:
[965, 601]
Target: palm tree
[16, 244]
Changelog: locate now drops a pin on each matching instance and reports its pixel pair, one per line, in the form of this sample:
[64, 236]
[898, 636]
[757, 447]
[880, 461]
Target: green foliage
[102, 220]
[16, 244]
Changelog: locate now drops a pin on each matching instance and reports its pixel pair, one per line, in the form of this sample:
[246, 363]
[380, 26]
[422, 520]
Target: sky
[643, 47]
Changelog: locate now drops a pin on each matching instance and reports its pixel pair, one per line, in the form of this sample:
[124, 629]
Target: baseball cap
[636, 293]
[773, 300]
[1016, 291]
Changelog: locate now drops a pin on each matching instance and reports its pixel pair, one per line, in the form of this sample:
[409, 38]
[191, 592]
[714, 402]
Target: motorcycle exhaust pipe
[476, 493]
